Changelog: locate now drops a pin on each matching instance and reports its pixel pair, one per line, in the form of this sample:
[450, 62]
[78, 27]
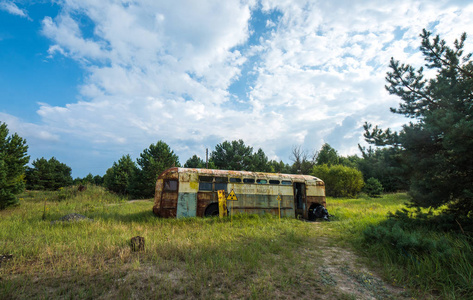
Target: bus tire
[211, 210]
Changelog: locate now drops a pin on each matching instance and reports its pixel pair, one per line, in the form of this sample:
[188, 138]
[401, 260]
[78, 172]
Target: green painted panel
[186, 205]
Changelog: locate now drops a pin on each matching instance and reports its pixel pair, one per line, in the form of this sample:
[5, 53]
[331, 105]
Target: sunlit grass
[249, 256]
[201, 257]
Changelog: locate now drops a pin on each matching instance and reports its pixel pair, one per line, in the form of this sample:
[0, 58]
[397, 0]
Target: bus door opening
[299, 199]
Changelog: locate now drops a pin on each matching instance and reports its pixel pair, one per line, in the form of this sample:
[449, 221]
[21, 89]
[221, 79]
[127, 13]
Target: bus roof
[213, 172]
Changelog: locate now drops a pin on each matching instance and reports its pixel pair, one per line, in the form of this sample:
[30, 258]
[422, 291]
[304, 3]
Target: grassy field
[251, 257]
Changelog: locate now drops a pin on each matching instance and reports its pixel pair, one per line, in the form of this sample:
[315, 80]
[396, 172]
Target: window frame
[167, 185]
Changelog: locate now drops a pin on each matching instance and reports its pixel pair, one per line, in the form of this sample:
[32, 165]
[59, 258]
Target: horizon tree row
[137, 179]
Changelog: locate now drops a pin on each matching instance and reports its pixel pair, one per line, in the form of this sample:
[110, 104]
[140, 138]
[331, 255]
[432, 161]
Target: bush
[340, 181]
[373, 187]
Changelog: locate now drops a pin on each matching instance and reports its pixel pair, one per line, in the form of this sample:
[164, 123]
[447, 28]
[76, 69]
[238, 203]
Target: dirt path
[343, 273]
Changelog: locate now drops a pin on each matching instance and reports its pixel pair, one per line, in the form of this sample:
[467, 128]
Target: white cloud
[163, 70]
[29, 131]
[327, 60]
[13, 9]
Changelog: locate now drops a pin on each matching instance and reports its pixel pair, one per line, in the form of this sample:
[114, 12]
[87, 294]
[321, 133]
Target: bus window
[261, 181]
[170, 185]
[286, 182]
[273, 181]
[221, 183]
[235, 180]
[248, 180]
[205, 183]
[205, 186]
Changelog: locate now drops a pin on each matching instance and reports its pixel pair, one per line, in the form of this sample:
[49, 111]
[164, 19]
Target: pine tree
[119, 177]
[13, 160]
[234, 155]
[327, 155]
[195, 162]
[48, 174]
[152, 162]
[437, 143]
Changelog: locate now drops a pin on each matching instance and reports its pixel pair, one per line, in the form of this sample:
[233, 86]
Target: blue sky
[90, 81]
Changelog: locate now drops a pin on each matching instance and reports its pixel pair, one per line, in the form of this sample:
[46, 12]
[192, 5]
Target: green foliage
[387, 166]
[407, 242]
[279, 167]
[152, 161]
[48, 175]
[119, 177]
[13, 159]
[340, 181]
[89, 179]
[373, 187]
[412, 244]
[260, 162]
[327, 155]
[303, 162]
[351, 161]
[235, 155]
[195, 162]
[438, 144]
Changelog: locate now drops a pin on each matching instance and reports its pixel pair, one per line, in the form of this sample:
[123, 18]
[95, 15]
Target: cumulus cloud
[31, 132]
[163, 70]
[13, 9]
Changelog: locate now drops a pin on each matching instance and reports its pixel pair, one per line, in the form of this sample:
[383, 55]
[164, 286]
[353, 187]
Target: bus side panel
[169, 198]
[315, 195]
[169, 205]
[315, 190]
[186, 205]
[262, 199]
[187, 201]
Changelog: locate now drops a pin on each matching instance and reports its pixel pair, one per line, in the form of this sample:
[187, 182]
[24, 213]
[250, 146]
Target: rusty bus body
[184, 192]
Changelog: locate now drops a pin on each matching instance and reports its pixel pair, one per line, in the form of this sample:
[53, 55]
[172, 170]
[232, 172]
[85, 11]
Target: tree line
[136, 179]
[430, 157]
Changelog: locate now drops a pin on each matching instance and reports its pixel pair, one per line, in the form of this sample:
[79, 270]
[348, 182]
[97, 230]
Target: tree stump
[137, 243]
[82, 188]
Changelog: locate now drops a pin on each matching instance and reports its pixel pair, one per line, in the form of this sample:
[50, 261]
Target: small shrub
[373, 187]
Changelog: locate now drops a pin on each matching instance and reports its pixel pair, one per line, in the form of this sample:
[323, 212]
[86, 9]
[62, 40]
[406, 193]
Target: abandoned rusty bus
[184, 192]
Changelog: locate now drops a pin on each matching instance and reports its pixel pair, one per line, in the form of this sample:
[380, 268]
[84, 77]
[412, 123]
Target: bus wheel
[211, 210]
